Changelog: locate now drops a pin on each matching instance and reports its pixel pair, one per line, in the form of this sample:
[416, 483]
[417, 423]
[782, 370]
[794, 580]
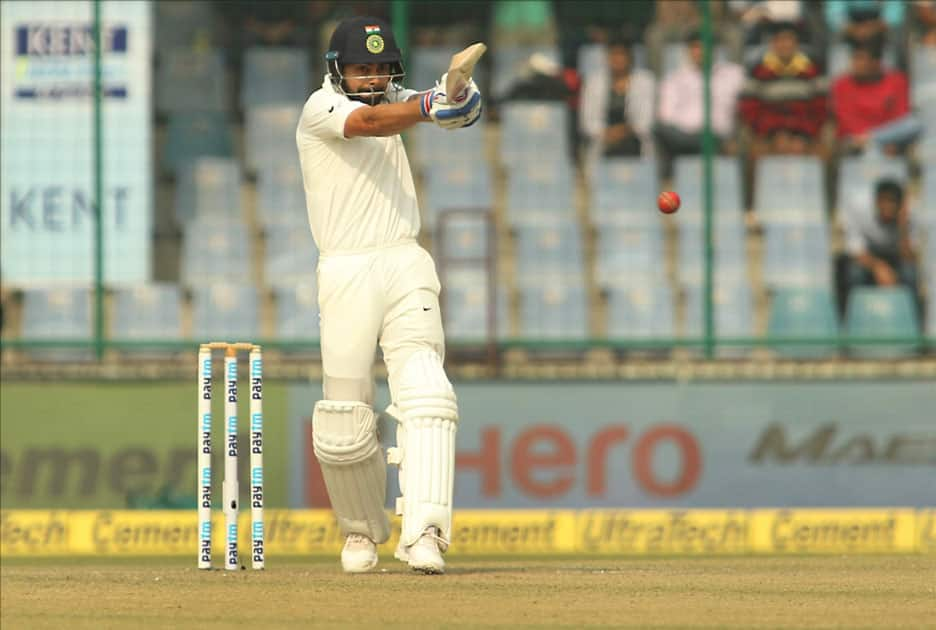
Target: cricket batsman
[377, 285]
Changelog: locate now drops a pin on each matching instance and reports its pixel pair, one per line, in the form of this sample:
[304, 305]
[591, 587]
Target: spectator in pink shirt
[681, 111]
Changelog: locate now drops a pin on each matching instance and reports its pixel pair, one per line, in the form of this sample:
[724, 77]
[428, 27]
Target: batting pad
[344, 435]
[426, 411]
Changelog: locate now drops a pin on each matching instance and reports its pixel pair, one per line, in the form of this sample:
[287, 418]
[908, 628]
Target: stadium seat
[427, 64]
[189, 81]
[730, 255]
[733, 308]
[789, 187]
[456, 186]
[726, 198]
[431, 145]
[803, 312]
[923, 76]
[225, 311]
[509, 63]
[858, 175]
[465, 300]
[623, 190]
[193, 135]
[465, 237]
[539, 190]
[209, 188]
[215, 251]
[271, 135]
[627, 254]
[275, 76]
[533, 129]
[297, 310]
[881, 312]
[554, 309]
[281, 196]
[147, 311]
[548, 248]
[56, 313]
[797, 255]
[641, 311]
[290, 254]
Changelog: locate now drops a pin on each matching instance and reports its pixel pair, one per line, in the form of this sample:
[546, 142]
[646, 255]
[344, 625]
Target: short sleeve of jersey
[325, 113]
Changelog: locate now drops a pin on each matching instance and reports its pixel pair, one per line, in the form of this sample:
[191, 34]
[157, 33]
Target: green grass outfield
[736, 592]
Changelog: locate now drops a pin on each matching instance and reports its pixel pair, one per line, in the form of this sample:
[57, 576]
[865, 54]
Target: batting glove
[434, 104]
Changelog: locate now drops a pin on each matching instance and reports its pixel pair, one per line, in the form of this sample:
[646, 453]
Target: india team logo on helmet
[374, 43]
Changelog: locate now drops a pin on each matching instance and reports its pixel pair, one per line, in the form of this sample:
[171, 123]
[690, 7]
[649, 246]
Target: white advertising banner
[47, 105]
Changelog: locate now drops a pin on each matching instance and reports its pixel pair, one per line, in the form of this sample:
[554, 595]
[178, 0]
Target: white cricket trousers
[388, 295]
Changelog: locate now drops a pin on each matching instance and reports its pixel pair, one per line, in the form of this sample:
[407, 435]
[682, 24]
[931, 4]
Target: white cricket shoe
[359, 554]
[424, 555]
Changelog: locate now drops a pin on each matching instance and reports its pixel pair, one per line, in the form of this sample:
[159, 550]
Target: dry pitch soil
[738, 592]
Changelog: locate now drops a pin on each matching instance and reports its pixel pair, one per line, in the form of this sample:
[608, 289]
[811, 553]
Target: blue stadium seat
[57, 313]
[726, 200]
[803, 312]
[456, 186]
[789, 187]
[733, 308]
[554, 310]
[465, 236]
[730, 259]
[193, 135]
[147, 311]
[923, 75]
[797, 255]
[271, 135]
[297, 310]
[625, 254]
[225, 311]
[548, 248]
[215, 251]
[290, 254]
[189, 81]
[509, 63]
[533, 129]
[641, 311]
[465, 307]
[281, 196]
[858, 175]
[535, 191]
[427, 64]
[431, 145]
[881, 312]
[275, 76]
[623, 190]
[209, 188]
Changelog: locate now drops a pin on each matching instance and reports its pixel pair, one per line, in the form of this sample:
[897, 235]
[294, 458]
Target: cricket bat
[459, 71]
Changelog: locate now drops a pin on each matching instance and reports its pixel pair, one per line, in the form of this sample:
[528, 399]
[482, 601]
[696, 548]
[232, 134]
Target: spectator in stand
[879, 241]
[617, 106]
[680, 118]
[857, 20]
[783, 102]
[925, 13]
[871, 104]
[675, 19]
[281, 23]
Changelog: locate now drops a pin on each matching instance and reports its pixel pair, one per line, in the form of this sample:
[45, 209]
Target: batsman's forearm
[389, 119]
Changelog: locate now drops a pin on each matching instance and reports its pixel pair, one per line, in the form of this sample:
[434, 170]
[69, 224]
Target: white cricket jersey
[359, 191]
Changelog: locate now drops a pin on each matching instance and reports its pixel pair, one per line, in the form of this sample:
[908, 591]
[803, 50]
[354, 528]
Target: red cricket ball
[668, 202]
